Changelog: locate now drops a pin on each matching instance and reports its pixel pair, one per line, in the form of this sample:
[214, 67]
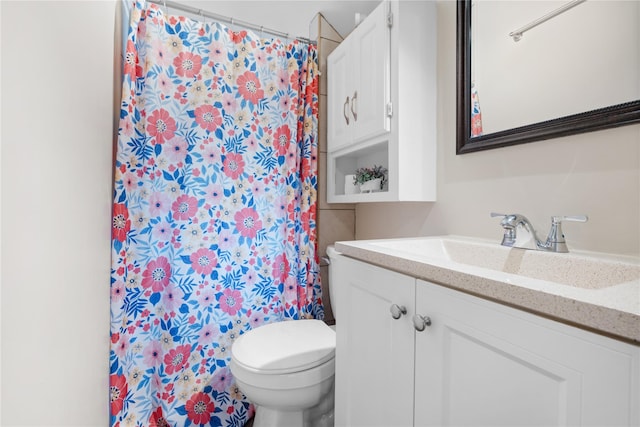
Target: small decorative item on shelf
[370, 179]
[350, 186]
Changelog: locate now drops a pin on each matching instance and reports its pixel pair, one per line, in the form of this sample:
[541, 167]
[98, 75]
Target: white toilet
[286, 369]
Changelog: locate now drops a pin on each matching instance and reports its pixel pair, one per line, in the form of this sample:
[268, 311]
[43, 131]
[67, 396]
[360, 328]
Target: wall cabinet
[358, 86]
[474, 362]
[382, 103]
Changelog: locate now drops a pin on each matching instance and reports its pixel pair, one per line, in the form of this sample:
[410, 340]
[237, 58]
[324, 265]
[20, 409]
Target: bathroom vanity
[452, 331]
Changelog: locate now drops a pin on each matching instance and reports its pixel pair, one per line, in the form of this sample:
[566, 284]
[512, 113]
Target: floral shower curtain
[214, 212]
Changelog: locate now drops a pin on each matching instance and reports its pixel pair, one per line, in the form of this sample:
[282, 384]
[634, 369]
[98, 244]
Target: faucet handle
[494, 214]
[575, 218]
[555, 240]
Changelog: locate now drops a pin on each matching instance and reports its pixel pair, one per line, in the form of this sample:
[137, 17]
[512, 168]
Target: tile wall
[335, 221]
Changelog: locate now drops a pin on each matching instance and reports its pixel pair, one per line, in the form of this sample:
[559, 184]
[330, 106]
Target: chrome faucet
[519, 232]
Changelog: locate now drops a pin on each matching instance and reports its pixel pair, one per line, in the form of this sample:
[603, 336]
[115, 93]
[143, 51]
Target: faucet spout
[519, 232]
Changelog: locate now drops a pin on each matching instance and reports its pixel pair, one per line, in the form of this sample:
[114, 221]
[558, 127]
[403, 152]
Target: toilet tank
[333, 258]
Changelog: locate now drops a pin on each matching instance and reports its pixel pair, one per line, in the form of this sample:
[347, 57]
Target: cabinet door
[481, 363]
[371, 46]
[374, 351]
[339, 91]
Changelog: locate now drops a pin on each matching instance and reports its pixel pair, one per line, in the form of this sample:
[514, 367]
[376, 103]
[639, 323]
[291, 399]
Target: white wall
[57, 71]
[596, 174]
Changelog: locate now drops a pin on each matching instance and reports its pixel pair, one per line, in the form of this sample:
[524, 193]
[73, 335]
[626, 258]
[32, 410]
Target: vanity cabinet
[381, 104]
[475, 362]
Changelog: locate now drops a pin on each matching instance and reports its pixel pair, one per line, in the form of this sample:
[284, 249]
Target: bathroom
[58, 62]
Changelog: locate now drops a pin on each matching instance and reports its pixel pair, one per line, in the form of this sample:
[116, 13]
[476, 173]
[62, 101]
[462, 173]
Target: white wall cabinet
[477, 363]
[358, 87]
[382, 103]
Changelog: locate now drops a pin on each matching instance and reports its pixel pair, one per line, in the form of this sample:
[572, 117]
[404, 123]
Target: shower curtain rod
[226, 19]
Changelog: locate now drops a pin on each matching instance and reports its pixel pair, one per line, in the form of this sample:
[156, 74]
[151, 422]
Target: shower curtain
[214, 212]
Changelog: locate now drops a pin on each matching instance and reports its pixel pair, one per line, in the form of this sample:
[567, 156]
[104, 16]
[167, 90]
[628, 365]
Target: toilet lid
[289, 346]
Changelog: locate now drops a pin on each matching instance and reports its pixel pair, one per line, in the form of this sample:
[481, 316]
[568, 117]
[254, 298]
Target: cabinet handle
[397, 311]
[421, 322]
[354, 101]
[345, 110]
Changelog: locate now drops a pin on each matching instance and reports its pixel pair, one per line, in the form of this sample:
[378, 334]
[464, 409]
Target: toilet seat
[285, 355]
[285, 347]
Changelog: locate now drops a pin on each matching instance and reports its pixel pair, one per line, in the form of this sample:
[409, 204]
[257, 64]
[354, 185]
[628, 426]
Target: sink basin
[573, 269]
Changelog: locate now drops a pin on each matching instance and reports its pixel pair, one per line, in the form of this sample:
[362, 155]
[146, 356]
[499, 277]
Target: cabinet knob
[397, 311]
[421, 322]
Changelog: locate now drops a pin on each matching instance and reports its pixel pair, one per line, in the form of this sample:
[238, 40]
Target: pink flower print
[131, 60]
[159, 204]
[203, 261]
[249, 87]
[247, 222]
[122, 346]
[117, 291]
[130, 181]
[162, 231]
[256, 319]
[199, 408]
[157, 419]
[233, 165]
[226, 240]
[152, 354]
[165, 84]
[187, 64]
[214, 193]
[283, 79]
[230, 301]
[117, 392]
[281, 205]
[206, 297]
[161, 125]
[218, 51]
[229, 103]
[261, 57]
[290, 288]
[252, 143]
[208, 117]
[282, 140]
[285, 103]
[121, 222]
[208, 334]
[157, 274]
[176, 149]
[222, 380]
[172, 297]
[185, 207]
[250, 278]
[211, 155]
[161, 54]
[177, 358]
[281, 267]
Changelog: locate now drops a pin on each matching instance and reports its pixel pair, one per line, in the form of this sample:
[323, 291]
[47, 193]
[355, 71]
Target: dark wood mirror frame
[602, 118]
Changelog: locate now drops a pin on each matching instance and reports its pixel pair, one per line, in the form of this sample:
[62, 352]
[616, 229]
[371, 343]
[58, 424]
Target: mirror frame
[602, 118]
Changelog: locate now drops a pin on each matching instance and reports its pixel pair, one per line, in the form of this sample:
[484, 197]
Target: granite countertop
[607, 301]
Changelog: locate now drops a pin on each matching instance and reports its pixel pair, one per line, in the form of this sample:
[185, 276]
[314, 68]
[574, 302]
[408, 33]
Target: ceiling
[291, 16]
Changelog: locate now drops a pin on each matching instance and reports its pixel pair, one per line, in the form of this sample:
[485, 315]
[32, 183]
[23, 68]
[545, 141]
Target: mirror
[492, 66]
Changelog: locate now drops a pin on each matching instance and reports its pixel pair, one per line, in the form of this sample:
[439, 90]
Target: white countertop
[612, 310]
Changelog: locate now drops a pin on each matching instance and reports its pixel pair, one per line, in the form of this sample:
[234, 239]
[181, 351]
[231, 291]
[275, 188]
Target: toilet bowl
[286, 370]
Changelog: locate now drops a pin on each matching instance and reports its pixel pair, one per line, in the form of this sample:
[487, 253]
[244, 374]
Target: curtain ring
[166, 9]
[262, 31]
[204, 19]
